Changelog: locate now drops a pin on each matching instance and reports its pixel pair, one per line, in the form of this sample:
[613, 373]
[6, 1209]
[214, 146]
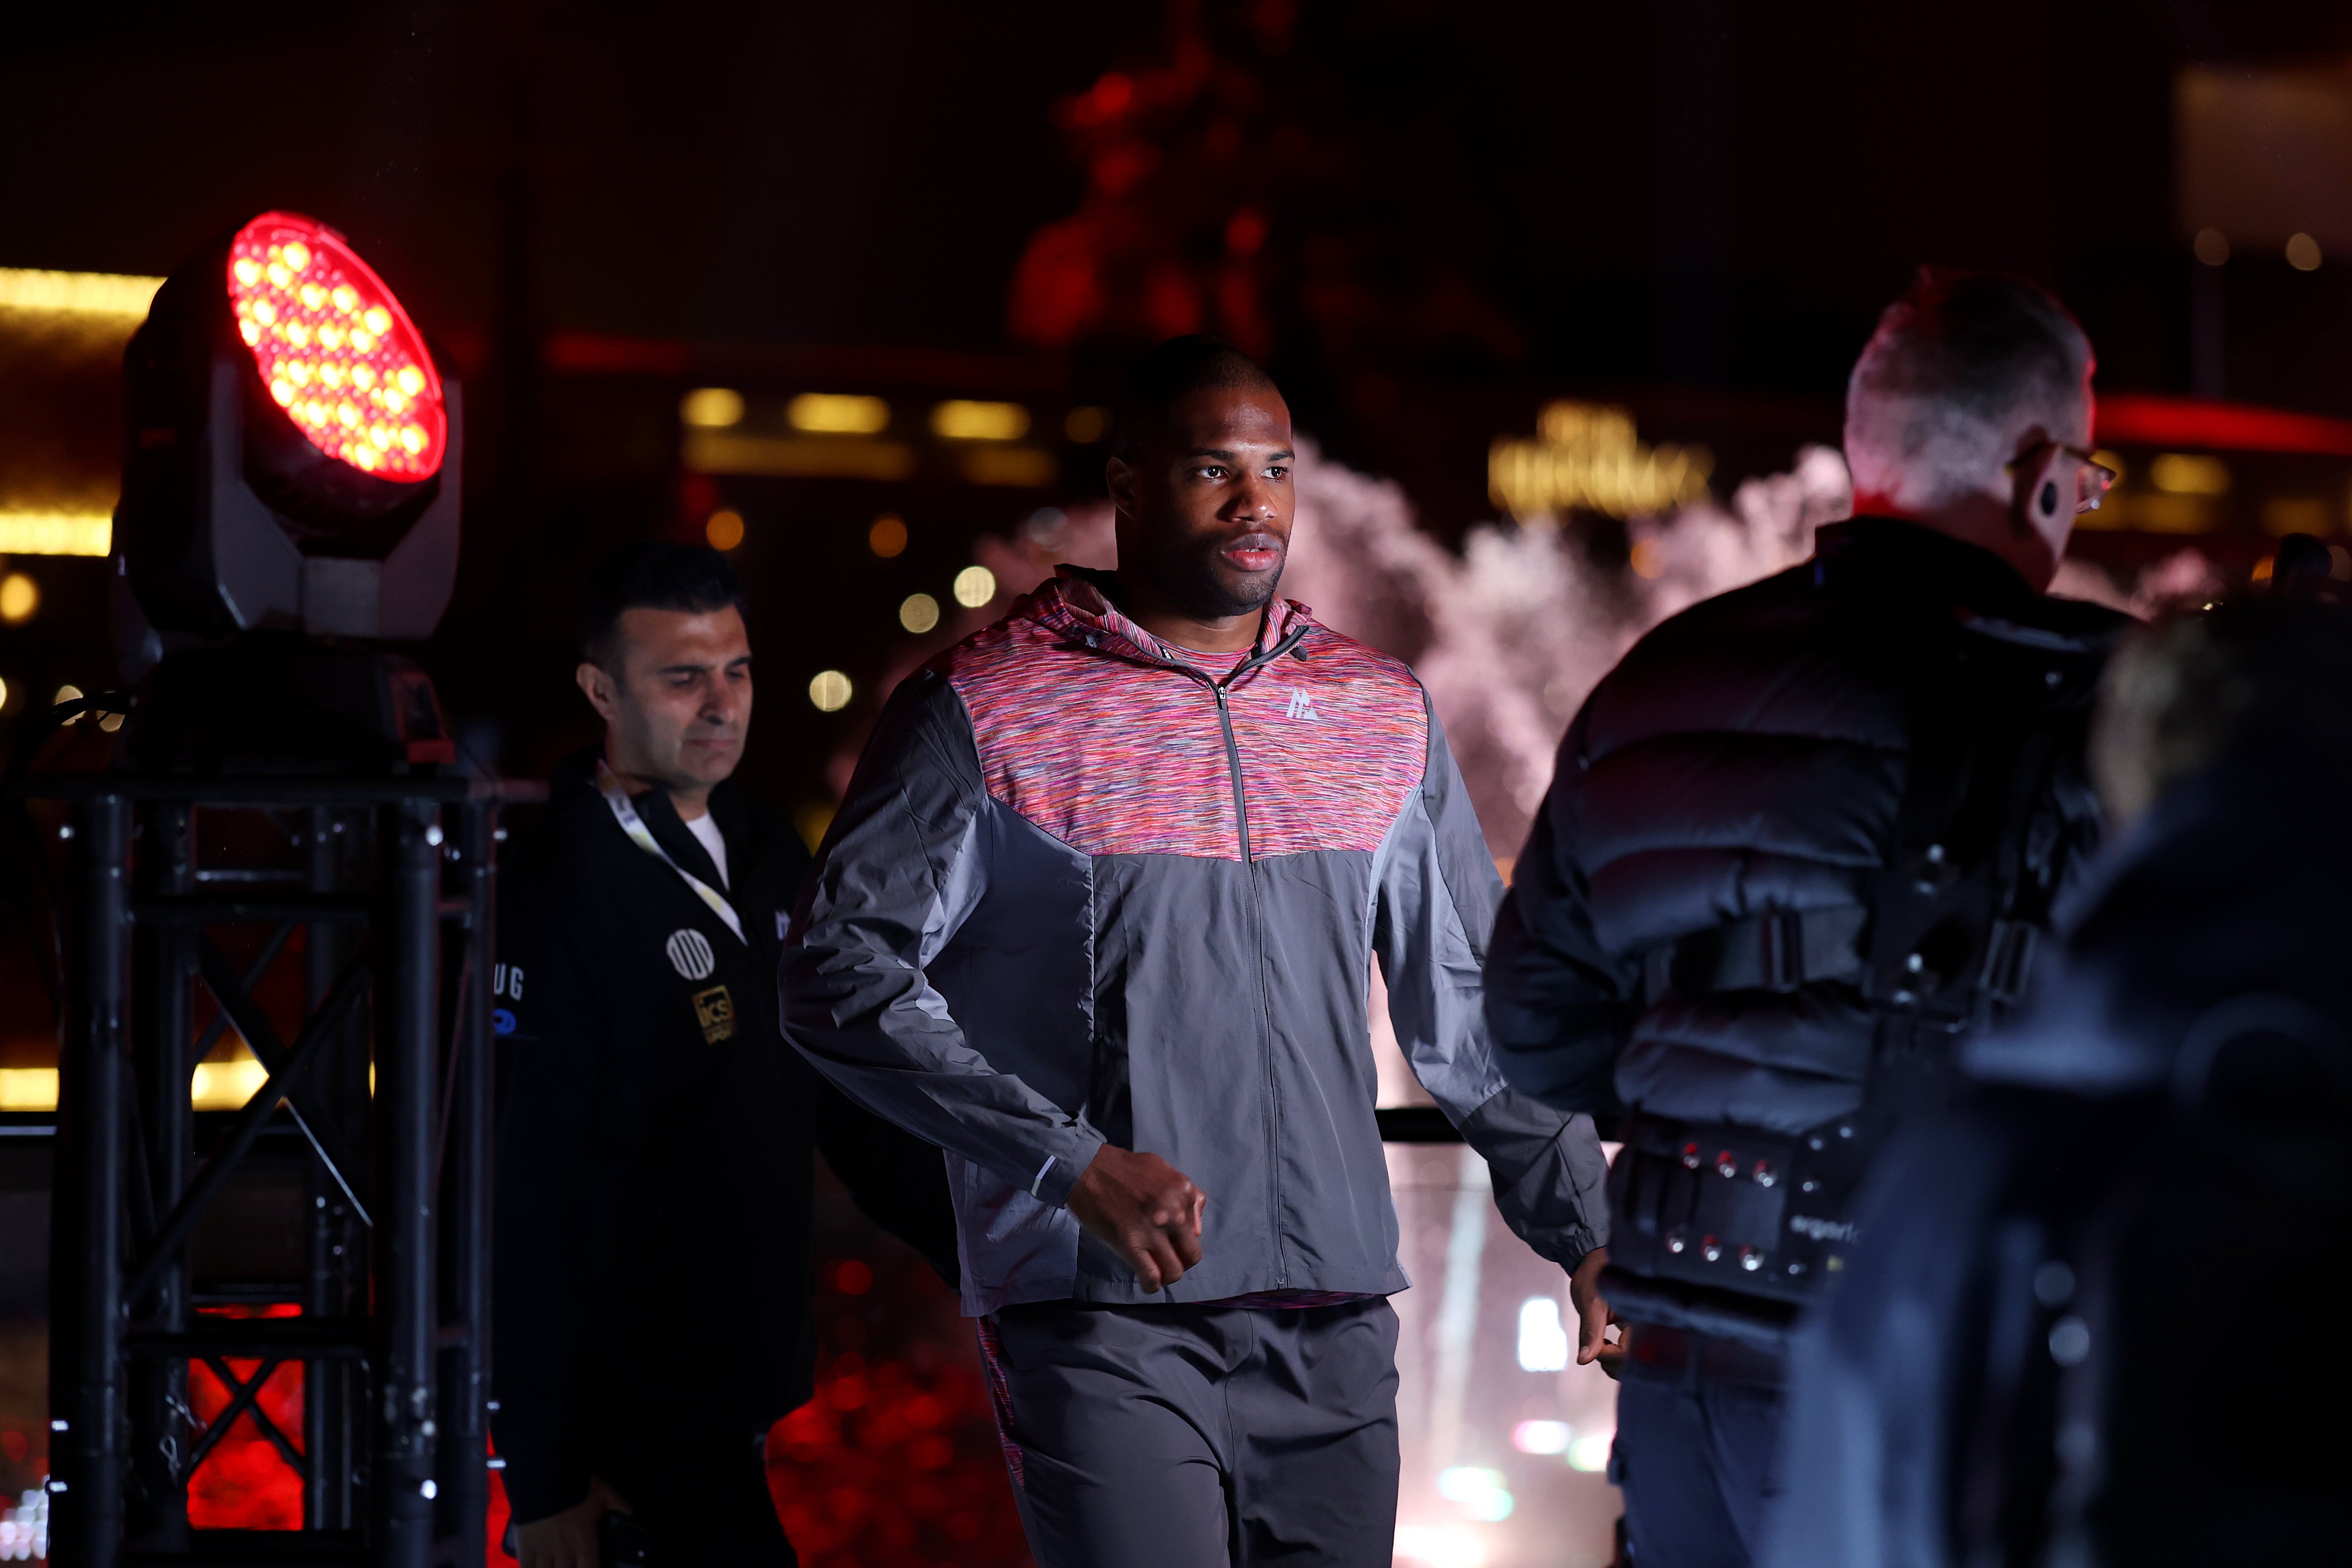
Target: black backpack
[1725, 1230]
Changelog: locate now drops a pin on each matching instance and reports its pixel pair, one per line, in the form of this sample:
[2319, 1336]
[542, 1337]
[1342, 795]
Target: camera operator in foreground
[1798, 843]
[2018, 1368]
[1098, 914]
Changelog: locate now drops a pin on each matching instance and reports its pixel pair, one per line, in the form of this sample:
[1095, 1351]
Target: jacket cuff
[1051, 1181]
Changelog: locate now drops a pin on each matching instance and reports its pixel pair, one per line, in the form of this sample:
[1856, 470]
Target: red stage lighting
[292, 453]
[335, 349]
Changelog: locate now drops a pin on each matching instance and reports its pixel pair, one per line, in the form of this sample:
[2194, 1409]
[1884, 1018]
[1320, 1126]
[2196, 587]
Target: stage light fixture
[292, 451]
[291, 497]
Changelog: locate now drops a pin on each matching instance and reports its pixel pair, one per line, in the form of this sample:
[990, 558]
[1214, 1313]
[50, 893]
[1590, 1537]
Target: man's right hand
[571, 1539]
[1144, 1209]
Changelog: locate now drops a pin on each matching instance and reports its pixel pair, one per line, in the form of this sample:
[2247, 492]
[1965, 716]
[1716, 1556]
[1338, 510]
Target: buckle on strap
[1781, 951]
[1776, 953]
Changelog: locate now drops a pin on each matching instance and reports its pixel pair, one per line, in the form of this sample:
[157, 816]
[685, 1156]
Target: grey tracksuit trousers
[1200, 1436]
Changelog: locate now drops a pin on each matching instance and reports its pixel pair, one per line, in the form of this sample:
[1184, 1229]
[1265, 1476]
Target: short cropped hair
[661, 575]
[1957, 367]
[1174, 370]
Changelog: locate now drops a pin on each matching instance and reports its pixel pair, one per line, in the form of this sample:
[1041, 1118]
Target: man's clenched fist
[1144, 1209]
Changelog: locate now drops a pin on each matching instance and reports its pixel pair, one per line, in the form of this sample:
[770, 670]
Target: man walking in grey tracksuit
[1096, 917]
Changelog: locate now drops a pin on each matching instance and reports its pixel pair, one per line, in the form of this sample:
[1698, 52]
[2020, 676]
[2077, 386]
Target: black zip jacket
[652, 1140]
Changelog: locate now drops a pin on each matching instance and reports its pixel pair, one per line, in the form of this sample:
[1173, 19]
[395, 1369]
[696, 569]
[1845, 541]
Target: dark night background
[1427, 218]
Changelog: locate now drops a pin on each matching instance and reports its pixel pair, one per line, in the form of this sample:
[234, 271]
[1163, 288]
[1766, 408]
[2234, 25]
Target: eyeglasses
[2093, 480]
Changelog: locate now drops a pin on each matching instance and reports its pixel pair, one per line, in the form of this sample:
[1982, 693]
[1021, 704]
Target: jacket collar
[1076, 603]
[1888, 547]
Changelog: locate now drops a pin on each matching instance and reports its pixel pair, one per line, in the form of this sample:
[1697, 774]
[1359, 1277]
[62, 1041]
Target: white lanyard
[641, 837]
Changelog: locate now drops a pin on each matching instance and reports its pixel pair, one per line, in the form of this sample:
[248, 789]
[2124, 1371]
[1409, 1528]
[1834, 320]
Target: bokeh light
[837, 414]
[887, 537]
[967, 419]
[725, 529]
[830, 691]
[712, 408]
[919, 613]
[19, 597]
[335, 349]
[974, 586]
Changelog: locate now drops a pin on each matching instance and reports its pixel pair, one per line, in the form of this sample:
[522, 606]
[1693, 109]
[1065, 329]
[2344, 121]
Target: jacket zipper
[1257, 913]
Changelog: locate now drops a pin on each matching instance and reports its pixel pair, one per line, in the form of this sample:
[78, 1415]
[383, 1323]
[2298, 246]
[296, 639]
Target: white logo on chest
[689, 954]
[1301, 706]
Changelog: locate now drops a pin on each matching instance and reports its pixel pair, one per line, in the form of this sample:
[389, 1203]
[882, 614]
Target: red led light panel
[335, 349]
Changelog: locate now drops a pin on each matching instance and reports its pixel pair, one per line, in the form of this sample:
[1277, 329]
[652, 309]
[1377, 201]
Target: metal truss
[383, 1097]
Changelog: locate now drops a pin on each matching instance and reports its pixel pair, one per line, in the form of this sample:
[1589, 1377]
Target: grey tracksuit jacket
[1086, 887]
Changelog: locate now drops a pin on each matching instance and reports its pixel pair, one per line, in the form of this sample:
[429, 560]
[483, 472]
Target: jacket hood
[1076, 603]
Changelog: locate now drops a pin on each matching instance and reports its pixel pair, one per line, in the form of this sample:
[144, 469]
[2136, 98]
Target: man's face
[678, 702]
[1205, 507]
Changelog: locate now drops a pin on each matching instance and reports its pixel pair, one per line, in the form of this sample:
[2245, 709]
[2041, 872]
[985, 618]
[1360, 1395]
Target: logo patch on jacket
[689, 954]
[715, 1010]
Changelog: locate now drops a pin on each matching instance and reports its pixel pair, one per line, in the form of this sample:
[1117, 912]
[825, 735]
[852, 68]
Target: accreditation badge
[715, 1010]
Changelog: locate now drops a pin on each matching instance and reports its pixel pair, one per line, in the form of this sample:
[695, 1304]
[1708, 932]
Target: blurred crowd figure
[2036, 1358]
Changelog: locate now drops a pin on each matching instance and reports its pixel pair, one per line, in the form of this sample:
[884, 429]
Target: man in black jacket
[653, 1135]
[1799, 841]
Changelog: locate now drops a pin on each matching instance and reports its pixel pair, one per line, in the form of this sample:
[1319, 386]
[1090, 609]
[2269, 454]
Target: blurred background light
[1029, 468]
[963, 419]
[887, 537]
[56, 533]
[1543, 1339]
[2303, 253]
[837, 414]
[2188, 474]
[1479, 1493]
[712, 408]
[829, 689]
[2213, 247]
[95, 293]
[725, 529]
[19, 597]
[1087, 425]
[227, 1086]
[1590, 1451]
[1439, 1546]
[28, 1088]
[1542, 1437]
[974, 586]
[919, 613]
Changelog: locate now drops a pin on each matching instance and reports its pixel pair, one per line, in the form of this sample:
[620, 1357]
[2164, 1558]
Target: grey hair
[1958, 365]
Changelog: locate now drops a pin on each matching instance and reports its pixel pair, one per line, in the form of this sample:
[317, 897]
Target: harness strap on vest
[1776, 950]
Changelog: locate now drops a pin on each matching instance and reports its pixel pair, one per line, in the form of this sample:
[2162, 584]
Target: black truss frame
[395, 896]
